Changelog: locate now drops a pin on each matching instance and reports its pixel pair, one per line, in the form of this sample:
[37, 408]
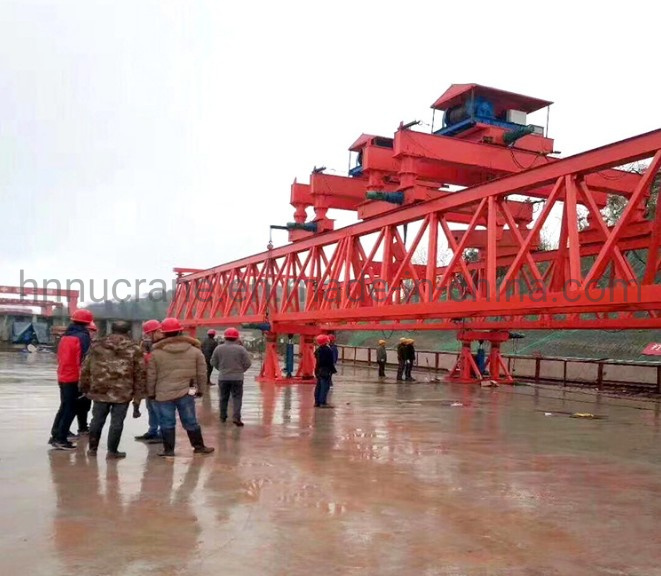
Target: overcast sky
[138, 135]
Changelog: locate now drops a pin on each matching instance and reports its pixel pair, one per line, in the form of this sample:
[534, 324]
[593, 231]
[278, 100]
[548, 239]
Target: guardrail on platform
[600, 373]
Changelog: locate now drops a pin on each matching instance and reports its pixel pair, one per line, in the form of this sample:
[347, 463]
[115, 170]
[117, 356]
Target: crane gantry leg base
[271, 371]
[466, 368]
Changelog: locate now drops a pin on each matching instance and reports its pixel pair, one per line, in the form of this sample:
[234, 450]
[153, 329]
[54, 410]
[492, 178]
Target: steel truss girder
[370, 266]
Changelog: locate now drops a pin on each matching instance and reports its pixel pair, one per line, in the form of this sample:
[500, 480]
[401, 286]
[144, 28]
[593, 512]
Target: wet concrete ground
[395, 480]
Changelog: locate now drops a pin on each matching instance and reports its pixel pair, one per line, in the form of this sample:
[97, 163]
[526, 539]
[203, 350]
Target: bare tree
[616, 204]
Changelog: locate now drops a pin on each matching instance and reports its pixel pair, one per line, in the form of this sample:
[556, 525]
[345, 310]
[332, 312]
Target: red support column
[306, 359]
[466, 369]
[497, 365]
[271, 366]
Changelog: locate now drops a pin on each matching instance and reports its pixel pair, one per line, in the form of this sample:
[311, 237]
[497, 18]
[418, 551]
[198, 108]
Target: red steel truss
[406, 265]
[365, 276]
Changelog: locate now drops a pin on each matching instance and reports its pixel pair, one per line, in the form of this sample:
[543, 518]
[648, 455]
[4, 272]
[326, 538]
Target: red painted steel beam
[513, 324]
[591, 300]
[432, 150]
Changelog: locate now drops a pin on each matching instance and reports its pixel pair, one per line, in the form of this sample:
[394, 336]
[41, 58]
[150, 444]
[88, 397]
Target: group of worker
[168, 369]
[405, 359]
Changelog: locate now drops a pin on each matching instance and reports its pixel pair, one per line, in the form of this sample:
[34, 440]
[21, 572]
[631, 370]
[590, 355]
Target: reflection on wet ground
[421, 478]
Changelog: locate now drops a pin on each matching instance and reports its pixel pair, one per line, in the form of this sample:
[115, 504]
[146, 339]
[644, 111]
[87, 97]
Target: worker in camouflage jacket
[113, 374]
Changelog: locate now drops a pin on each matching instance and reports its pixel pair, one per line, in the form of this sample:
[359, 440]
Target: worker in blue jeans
[151, 330]
[176, 374]
[323, 370]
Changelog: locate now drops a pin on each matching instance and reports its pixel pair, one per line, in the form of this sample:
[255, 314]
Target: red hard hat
[83, 316]
[331, 337]
[323, 339]
[151, 326]
[211, 332]
[171, 325]
[93, 327]
[232, 334]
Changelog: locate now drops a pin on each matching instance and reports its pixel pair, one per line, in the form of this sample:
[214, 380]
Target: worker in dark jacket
[334, 350]
[84, 404]
[71, 351]
[231, 360]
[113, 374]
[401, 358]
[381, 358]
[208, 346]
[323, 370]
[409, 356]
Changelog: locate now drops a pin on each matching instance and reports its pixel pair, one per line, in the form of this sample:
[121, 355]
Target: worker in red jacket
[70, 353]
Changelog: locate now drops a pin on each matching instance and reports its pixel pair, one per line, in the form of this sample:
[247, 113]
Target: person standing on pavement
[208, 346]
[335, 351]
[381, 358]
[176, 374]
[71, 351]
[83, 404]
[151, 331]
[401, 358]
[324, 369]
[409, 356]
[113, 374]
[231, 360]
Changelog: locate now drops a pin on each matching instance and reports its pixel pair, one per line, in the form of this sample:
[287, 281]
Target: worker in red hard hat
[176, 373]
[71, 351]
[231, 360]
[323, 370]
[151, 332]
[208, 346]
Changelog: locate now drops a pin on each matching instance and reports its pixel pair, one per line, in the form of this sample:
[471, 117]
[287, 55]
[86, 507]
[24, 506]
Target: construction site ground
[424, 478]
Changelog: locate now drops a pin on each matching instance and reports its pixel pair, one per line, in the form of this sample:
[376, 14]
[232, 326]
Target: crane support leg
[466, 368]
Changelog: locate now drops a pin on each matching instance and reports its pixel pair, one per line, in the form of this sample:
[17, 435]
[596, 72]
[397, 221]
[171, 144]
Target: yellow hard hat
[402, 339]
[382, 341]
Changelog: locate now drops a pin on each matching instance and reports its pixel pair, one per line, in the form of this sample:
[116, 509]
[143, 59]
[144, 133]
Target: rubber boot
[114, 436]
[196, 441]
[168, 442]
[93, 445]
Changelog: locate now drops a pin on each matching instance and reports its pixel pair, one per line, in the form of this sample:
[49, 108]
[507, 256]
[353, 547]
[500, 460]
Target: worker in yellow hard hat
[381, 358]
[409, 359]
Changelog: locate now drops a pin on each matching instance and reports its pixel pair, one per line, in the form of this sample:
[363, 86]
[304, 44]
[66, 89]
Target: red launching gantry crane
[448, 238]
[25, 298]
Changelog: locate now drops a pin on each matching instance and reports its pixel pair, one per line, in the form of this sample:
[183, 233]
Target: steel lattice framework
[335, 278]
[370, 275]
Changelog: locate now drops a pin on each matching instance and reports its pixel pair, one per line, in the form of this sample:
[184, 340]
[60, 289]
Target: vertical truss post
[270, 371]
[306, 359]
